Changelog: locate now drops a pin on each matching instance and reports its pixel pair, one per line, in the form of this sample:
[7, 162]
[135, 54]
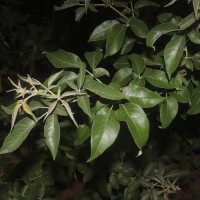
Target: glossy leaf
[63, 59]
[196, 5]
[154, 60]
[165, 17]
[52, 134]
[158, 31]
[195, 102]
[145, 3]
[19, 133]
[81, 76]
[188, 21]
[94, 58]
[35, 105]
[138, 27]
[67, 76]
[8, 109]
[137, 63]
[98, 72]
[196, 60]
[137, 122]
[84, 104]
[142, 96]
[173, 53]
[127, 46]
[103, 90]
[123, 76]
[138, 81]
[83, 133]
[53, 78]
[194, 36]
[122, 62]
[168, 111]
[182, 95]
[114, 39]
[105, 129]
[159, 79]
[99, 33]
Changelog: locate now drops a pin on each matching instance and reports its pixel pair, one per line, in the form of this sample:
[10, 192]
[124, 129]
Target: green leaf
[137, 63]
[158, 31]
[114, 39]
[58, 110]
[182, 95]
[98, 72]
[137, 122]
[155, 60]
[79, 13]
[188, 21]
[123, 76]
[170, 3]
[138, 81]
[149, 169]
[173, 53]
[165, 17]
[67, 76]
[52, 134]
[159, 79]
[138, 27]
[67, 4]
[103, 90]
[19, 133]
[195, 102]
[94, 58]
[99, 33]
[168, 111]
[121, 62]
[145, 3]
[196, 60]
[81, 76]
[142, 96]
[127, 46]
[83, 133]
[53, 78]
[35, 105]
[84, 104]
[196, 5]
[176, 173]
[63, 59]
[9, 109]
[69, 111]
[105, 129]
[194, 36]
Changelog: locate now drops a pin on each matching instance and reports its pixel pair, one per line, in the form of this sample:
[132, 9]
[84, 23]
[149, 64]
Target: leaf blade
[114, 39]
[52, 134]
[137, 122]
[105, 129]
[19, 133]
[158, 31]
[168, 111]
[173, 53]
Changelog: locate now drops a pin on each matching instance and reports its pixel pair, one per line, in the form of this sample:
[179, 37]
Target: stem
[117, 11]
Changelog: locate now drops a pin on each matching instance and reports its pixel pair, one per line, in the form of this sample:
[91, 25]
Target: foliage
[154, 80]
